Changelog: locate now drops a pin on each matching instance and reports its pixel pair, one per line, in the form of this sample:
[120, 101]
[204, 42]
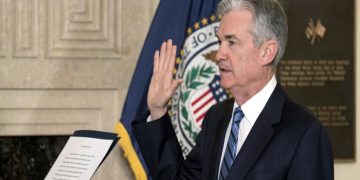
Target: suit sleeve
[313, 159]
[162, 152]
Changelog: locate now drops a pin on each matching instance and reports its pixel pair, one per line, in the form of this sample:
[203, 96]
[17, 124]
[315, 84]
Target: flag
[205, 98]
[192, 25]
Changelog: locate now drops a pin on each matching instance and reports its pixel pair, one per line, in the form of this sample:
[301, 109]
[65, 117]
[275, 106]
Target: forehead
[235, 21]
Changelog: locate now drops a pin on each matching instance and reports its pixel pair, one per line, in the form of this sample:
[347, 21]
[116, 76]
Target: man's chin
[225, 85]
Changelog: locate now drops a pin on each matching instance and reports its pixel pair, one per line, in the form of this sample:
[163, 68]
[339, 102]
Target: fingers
[172, 57]
[156, 62]
[168, 52]
[167, 56]
[164, 62]
[175, 84]
[162, 55]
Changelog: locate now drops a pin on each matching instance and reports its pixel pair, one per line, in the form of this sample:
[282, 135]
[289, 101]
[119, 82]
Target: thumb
[175, 84]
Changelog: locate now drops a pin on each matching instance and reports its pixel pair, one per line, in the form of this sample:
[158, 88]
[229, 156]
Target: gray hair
[269, 21]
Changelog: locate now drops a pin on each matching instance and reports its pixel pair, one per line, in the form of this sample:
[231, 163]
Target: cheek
[244, 64]
[244, 69]
[240, 67]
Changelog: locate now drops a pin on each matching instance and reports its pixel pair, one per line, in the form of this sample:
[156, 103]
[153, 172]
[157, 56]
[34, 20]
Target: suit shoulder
[222, 105]
[299, 115]
[218, 112]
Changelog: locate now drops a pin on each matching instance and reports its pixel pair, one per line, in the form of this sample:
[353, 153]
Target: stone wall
[66, 65]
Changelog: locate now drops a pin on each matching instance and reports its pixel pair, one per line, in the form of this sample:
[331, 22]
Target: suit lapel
[222, 120]
[259, 136]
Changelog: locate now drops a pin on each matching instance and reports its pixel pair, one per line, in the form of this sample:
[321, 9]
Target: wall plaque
[317, 69]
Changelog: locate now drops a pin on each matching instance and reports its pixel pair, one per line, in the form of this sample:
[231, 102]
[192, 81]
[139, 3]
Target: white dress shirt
[251, 109]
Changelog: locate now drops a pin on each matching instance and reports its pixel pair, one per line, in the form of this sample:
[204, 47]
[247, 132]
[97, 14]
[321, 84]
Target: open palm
[162, 85]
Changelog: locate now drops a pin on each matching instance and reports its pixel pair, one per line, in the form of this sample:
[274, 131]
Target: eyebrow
[229, 37]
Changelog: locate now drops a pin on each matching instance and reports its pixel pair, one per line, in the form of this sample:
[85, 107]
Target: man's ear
[268, 51]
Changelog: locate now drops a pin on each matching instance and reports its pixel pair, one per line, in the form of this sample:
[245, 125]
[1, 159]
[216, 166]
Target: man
[261, 133]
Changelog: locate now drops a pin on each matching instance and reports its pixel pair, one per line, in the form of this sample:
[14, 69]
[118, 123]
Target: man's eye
[231, 43]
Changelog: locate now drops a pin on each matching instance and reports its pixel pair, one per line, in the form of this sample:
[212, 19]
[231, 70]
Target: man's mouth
[223, 70]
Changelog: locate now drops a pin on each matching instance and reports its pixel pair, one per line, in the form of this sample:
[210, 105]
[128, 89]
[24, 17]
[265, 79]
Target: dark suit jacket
[286, 142]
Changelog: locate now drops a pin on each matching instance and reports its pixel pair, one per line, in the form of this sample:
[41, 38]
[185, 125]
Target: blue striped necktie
[230, 152]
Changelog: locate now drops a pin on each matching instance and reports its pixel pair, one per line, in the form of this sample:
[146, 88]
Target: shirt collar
[253, 107]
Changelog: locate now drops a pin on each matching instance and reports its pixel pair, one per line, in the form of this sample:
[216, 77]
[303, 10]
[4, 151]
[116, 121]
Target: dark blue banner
[176, 20]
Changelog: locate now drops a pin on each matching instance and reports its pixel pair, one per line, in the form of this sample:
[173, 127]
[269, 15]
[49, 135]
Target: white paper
[79, 159]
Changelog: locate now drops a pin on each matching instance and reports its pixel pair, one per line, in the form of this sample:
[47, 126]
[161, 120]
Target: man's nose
[220, 54]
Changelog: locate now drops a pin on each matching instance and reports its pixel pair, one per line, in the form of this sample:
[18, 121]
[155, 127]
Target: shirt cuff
[149, 119]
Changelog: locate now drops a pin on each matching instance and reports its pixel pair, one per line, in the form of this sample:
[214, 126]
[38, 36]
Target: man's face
[238, 58]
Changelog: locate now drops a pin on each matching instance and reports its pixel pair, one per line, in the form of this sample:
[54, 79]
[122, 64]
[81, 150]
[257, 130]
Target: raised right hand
[162, 85]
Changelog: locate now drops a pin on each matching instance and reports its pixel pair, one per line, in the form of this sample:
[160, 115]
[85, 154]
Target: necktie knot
[238, 115]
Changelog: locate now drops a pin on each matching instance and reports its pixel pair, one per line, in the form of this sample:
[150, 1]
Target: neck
[243, 94]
